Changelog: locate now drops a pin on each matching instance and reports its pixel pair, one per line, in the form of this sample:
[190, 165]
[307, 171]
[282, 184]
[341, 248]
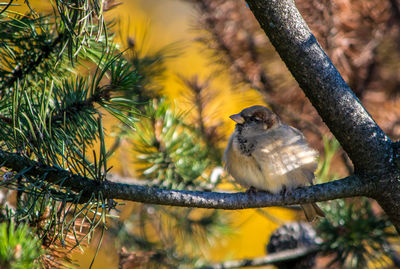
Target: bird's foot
[252, 190]
[283, 190]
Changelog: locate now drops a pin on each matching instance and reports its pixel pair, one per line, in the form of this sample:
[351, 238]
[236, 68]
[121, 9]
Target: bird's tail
[311, 211]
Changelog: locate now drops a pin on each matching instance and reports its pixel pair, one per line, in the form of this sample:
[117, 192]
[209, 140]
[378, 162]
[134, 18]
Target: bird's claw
[252, 190]
[283, 190]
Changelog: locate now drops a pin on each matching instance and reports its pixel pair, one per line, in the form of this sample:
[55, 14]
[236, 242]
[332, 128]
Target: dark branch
[396, 149]
[366, 144]
[370, 150]
[270, 259]
[7, 6]
[347, 187]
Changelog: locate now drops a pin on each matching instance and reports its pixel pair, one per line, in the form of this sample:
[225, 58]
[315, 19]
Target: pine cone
[294, 235]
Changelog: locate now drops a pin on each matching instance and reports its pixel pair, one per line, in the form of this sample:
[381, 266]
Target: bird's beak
[237, 118]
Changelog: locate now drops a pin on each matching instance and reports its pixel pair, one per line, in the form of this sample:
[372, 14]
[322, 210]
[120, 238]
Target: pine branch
[6, 7]
[270, 259]
[99, 95]
[74, 108]
[346, 187]
[20, 72]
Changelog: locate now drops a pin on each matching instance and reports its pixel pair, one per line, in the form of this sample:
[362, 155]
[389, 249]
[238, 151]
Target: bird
[265, 154]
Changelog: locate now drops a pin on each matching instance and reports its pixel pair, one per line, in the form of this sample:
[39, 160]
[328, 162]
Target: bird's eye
[257, 119]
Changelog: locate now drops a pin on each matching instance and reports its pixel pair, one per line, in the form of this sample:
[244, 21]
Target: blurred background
[204, 60]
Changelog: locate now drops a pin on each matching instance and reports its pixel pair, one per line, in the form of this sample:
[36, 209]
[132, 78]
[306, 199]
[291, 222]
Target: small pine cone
[294, 235]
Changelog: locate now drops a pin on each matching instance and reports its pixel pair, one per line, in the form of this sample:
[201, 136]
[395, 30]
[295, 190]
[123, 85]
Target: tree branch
[396, 150]
[371, 151]
[347, 187]
[270, 259]
[20, 71]
[366, 144]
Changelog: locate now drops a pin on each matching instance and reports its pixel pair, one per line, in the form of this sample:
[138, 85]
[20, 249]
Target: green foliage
[331, 147]
[61, 120]
[51, 113]
[355, 234]
[151, 68]
[19, 248]
[33, 50]
[56, 127]
[169, 152]
[53, 116]
[79, 17]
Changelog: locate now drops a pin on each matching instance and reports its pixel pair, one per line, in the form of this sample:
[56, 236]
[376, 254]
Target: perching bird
[268, 155]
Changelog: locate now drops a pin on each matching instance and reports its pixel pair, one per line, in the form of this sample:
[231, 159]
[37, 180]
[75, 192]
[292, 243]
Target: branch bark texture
[347, 187]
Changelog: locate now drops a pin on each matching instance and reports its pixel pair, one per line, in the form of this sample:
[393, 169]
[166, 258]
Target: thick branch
[366, 144]
[396, 150]
[270, 259]
[347, 187]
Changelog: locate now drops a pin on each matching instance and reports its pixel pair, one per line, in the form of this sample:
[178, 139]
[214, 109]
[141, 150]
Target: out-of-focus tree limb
[270, 259]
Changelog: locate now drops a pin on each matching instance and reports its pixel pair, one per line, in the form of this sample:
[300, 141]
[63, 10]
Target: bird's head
[255, 119]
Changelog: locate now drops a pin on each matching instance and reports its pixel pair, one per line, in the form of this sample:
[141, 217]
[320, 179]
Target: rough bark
[347, 187]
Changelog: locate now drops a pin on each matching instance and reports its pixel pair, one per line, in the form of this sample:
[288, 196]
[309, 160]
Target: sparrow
[268, 155]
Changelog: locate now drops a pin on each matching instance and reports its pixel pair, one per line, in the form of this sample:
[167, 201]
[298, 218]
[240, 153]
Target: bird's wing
[284, 155]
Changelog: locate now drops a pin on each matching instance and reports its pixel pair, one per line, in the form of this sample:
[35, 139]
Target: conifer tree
[62, 73]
